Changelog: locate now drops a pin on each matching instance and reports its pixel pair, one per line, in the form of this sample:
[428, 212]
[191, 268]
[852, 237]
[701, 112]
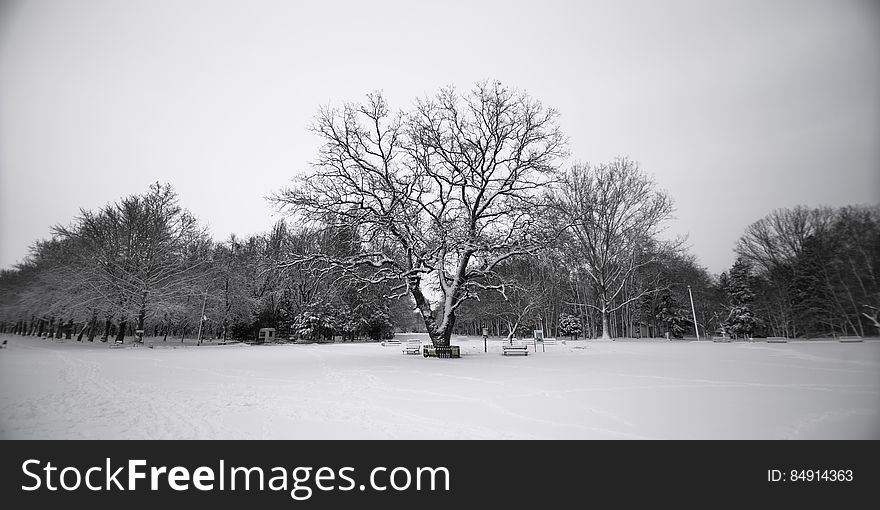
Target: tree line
[144, 264]
[455, 216]
[807, 272]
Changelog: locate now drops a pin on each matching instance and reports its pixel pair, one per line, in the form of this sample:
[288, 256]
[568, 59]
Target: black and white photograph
[458, 220]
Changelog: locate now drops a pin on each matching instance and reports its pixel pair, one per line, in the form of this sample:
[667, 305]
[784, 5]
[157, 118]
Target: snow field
[628, 389]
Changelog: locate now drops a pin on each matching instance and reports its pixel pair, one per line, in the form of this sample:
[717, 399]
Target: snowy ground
[585, 389]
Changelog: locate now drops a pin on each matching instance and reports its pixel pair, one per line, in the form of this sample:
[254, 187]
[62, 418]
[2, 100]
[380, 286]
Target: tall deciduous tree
[613, 211]
[439, 195]
[140, 251]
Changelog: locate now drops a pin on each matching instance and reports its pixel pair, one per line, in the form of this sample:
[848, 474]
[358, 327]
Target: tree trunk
[93, 325]
[142, 315]
[438, 338]
[120, 333]
[606, 335]
[107, 324]
[227, 306]
[68, 330]
[446, 334]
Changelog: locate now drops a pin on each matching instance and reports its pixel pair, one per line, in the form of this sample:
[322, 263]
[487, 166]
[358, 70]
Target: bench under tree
[515, 347]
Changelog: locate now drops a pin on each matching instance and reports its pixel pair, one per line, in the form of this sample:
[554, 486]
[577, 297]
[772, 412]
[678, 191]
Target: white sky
[736, 107]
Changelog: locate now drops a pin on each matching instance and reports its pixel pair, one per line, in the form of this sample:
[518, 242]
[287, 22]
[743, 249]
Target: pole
[202, 317]
[694, 311]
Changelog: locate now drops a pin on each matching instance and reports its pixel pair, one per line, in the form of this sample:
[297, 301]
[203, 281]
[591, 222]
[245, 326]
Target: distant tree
[741, 321]
[672, 314]
[138, 252]
[856, 269]
[614, 212]
[816, 269]
[672, 273]
[741, 282]
[778, 238]
[812, 289]
[570, 325]
[521, 299]
[232, 278]
[873, 315]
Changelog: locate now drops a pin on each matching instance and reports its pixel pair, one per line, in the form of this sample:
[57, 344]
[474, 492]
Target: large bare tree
[613, 212]
[439, 195]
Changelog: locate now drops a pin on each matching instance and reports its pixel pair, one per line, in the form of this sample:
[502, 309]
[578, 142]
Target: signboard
[266, 335]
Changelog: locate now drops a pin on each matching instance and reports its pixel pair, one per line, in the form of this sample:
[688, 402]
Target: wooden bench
[776, 340]
[3, 345]
[551, 341]
[721, 339]
[391, 343]
[844, 339]
[412, 347]
[515, 348]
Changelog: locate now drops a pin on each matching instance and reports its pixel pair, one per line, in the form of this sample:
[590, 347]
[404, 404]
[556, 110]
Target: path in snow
[595, 390]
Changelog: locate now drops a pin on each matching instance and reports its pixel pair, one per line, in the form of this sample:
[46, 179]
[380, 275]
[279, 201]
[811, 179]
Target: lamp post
[694, 312]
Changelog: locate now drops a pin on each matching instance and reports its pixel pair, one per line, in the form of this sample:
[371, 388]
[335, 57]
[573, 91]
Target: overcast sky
[735, 107]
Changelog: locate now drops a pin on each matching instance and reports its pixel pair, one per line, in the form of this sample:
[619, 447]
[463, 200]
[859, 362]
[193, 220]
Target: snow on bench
[848, 339]
[412, 347]
[721, 339]
[776, 340]
[392, 342]
[515, 348]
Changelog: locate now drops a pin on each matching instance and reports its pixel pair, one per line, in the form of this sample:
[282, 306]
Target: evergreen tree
[672, 314]
[813, 301]
[570, 325]
[741, 321]
[740, 283]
